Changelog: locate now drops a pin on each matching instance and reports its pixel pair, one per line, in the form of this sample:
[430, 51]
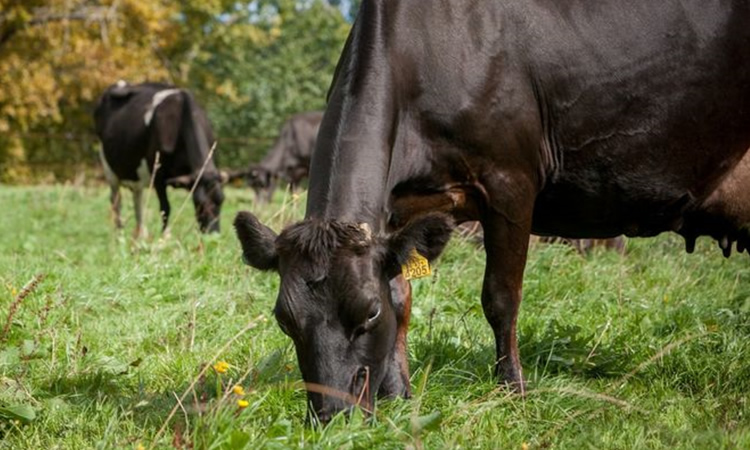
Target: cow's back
[121, 127]
[646, 123]
[304, 128]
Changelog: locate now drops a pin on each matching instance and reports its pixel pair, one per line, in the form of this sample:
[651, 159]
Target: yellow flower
[13, 292]
[140, 447]
[524, 446]
[238, 390]
[243, 403]
[221, 367]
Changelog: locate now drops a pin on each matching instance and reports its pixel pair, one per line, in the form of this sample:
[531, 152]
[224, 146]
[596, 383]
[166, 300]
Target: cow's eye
[316, 283]
[368, 324]
[373, 315]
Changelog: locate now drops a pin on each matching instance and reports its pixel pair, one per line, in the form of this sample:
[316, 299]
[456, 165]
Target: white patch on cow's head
[159, 97]
[121, 83]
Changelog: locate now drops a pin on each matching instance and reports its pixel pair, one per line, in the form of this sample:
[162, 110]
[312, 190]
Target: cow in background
[586, 246]
[472, 232]
[135, 123]
[289, 158]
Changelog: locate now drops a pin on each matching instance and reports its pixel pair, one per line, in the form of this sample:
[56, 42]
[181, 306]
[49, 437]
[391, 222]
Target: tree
[251, 63]
[275, 61]
[56, 58]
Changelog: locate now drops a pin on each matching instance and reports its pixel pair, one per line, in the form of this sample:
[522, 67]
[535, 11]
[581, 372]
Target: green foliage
[649, 350]
[262, 67]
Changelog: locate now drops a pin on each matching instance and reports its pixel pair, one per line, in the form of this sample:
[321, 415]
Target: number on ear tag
[416, 266]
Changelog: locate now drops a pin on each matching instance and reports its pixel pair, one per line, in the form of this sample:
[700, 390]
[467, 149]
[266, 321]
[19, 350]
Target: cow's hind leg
[115, 203]
[507, 226]
[396, 381]
[114, 186]
[164, 208]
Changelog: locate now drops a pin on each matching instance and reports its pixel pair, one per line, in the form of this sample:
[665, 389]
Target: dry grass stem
[195, 184]
[25, 292]
[157, 165]
[660, 354]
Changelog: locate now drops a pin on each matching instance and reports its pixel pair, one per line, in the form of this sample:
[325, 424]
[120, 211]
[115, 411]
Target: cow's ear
[257, 241]
[428, 235]
[168, 119]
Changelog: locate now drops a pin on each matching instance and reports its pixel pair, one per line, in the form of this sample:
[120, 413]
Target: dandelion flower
[221, 367]
[243, 403]
[524, 446]
[238, 390]
[140, 447]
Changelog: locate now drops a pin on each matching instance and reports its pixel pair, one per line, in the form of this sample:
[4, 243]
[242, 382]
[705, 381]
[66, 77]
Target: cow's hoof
[511, 376]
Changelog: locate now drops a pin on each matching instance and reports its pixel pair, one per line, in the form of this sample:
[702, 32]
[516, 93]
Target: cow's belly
[135, 178]
[633, 195]
[570, 211]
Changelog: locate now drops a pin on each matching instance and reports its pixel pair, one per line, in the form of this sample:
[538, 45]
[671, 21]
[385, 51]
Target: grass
[650, 350]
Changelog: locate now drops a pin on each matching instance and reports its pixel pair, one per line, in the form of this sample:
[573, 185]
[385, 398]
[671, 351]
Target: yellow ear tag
[416, 266]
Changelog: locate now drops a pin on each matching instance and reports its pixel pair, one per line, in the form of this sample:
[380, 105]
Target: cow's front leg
[507, 226]
[397, 380]
[164, 208]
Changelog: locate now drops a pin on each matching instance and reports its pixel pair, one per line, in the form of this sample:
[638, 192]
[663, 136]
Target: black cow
[134, 123]
[289, 158]
[569, 118]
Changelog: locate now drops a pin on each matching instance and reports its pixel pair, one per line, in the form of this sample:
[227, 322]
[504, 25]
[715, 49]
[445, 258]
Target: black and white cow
[137, 122]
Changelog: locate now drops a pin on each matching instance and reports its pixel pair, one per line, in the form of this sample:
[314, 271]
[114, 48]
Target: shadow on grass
[120, 392]
[124, 396]
[557, 349]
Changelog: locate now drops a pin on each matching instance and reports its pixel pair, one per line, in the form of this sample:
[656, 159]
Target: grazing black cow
[289, 158]
[134, 123]
[568, 118]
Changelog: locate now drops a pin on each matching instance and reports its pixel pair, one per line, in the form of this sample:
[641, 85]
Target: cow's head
[207, 198]
[335, 300]
[259, 177]
[182, 131]
[262, 181]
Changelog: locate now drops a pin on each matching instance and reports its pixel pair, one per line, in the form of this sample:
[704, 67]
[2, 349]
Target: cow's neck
[349, 171]
[199, 147]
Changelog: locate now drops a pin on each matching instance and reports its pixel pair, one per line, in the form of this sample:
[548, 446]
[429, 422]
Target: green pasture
[114, 343]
